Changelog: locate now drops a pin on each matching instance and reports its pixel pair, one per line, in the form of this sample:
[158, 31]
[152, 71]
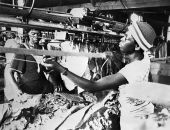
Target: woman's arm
[108, 82]
[105, 83]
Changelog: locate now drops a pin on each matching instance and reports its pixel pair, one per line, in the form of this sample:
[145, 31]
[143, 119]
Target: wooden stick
[49, 53]
[161, 59]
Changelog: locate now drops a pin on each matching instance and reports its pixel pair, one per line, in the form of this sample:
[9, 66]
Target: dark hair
[139, 51]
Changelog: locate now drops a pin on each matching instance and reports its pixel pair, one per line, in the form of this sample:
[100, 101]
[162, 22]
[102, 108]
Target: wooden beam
[14, 22]
[50, 53]
[114, 5]
[36, 14]
[53, 16]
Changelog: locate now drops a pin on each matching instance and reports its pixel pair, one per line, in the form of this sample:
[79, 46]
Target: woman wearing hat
[134, 45]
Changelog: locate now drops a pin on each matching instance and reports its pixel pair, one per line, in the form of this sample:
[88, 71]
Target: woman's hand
[108, 54]
[50, 64]
[18, 92]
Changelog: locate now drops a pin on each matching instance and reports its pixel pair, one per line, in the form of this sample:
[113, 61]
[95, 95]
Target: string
[18, 59]
[103, 66]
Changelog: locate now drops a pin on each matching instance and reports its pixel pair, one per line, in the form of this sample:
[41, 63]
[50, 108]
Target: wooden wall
[160, 72]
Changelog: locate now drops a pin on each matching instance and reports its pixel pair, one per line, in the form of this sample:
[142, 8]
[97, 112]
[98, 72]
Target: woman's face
[34, 36]
[127, 43]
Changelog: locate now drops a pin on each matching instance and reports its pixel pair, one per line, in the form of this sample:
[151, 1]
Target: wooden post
[168, 38]
[168, 31]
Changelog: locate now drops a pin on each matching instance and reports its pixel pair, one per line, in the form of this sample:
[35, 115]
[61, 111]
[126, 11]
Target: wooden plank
[113, 5]
[11, 21]
[163, 59]
[155, 65]
[35, 14]
[49, 53]
[46, 15]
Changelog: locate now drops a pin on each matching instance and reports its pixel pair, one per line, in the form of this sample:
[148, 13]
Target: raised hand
[51, 64]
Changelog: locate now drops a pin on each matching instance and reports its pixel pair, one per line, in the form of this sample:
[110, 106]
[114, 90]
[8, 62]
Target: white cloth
[79, 12]
[137, 71]
[3, 109]
[11, 43]
[75, 64]
[134, 109]
[8, 90]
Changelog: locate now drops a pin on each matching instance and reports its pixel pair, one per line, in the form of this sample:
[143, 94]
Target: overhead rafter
[50, 16]
[101, 4]
[14, 22]
[7, 9]
[115, 5]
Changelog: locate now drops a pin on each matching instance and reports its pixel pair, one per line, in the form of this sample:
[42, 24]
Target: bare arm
[108, 82]
[105, 83]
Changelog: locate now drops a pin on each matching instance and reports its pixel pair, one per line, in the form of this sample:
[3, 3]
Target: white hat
[143, 33]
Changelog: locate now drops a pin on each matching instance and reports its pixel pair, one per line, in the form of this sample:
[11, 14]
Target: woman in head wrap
[134, 46]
